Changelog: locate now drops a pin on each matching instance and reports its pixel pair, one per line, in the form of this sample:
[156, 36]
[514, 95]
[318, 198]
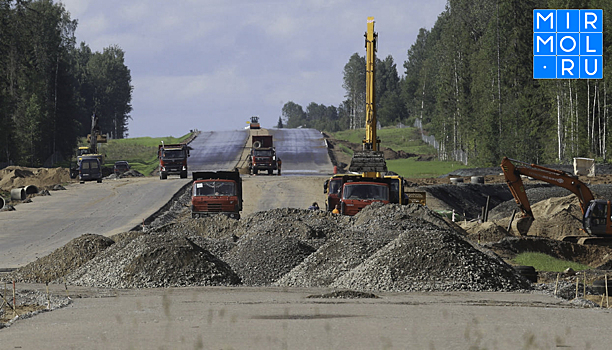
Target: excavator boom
[370, 161]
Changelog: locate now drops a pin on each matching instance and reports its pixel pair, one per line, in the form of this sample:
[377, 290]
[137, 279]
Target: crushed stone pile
[154, 261]
[383, 248]
[63, 260]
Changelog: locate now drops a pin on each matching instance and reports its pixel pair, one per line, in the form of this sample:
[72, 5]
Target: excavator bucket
[368, 161]
[521, 225]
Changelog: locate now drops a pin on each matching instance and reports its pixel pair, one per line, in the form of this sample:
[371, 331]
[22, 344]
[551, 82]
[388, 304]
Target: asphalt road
[216, 150]
[302, 151]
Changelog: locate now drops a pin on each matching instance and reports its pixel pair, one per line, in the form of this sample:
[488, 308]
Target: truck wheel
[255, 171]
[184, 174]
[270, 171]
[163, 176]
[100, 181]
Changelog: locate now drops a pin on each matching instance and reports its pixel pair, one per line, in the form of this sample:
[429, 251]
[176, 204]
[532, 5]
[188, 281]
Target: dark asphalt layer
[302, 151]
[216, 150]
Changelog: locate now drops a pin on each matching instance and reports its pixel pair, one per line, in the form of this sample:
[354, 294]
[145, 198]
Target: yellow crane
[370, 161]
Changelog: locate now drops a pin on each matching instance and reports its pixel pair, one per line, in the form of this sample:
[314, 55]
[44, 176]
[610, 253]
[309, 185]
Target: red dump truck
[263, 155]
[173, 160]
[216, 192]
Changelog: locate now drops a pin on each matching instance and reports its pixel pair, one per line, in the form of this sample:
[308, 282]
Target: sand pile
[14, 177]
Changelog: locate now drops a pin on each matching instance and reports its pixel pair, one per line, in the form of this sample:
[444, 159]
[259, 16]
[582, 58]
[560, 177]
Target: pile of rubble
[383, 248]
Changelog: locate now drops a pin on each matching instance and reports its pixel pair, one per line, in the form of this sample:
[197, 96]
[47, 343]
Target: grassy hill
[140, 152]
[409, 141]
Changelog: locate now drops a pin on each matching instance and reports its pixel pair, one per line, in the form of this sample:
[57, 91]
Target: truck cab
[356, 195]
[216, 193]
[173, 160]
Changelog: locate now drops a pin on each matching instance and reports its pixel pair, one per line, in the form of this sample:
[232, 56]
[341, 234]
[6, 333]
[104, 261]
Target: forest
[50, 86]
[470, 80]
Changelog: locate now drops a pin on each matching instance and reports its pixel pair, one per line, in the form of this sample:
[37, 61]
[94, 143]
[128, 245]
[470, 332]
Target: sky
[212, 64]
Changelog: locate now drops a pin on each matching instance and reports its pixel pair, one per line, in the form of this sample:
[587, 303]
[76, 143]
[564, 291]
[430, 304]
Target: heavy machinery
[217, 192]
[597, 213]
[172, 160]
[353, 193]
[263, 155]
[254, 124]
[370, 161]
[92, 151]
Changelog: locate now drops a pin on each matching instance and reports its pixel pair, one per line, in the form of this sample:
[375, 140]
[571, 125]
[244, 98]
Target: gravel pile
[383, 248]
[31, 297]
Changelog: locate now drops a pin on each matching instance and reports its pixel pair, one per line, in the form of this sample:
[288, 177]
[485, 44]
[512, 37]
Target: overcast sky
[211, 65]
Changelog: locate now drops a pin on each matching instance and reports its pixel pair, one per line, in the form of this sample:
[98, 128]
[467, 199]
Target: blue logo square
[544, 67]
[568, 21]
[544, 21]
[591, 21]
[568, 44]
[591, 67]
[591, 44]
[568, 67]
[544, 44]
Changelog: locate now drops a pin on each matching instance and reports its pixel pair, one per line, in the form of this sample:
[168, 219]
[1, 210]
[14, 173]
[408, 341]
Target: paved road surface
[302, 151]
[280, 318]
[36, 229]
[216, 150]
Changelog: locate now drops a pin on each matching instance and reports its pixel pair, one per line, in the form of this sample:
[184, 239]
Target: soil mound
[43, 178]
[484, 232]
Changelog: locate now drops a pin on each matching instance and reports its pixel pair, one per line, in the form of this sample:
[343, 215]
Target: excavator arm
[555, 177]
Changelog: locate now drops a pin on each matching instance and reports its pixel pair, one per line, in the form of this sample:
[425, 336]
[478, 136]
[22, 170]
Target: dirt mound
[43, 178]
[63, 260]
[484, 232]
[154, 261]
[127, 174]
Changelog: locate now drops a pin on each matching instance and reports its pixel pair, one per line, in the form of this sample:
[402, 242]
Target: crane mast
[370, 161]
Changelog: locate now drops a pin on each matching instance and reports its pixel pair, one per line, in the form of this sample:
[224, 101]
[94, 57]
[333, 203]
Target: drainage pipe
[31, 189]
[18, 194]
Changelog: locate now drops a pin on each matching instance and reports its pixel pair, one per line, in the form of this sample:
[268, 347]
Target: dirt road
[275, 318]
[36, 229]
[264, 192]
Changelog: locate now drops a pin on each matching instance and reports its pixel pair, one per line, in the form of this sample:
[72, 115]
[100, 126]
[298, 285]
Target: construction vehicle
[263, 155]
[370, 161]
[173, 160]
[93, 138]
[254, 124]
[596, 220]
[352, 193]
[217, 192]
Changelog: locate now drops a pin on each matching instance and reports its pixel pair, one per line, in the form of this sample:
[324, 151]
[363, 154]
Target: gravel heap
[383, 248]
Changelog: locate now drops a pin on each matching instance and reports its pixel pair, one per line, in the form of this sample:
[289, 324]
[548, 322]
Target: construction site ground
[283, 278]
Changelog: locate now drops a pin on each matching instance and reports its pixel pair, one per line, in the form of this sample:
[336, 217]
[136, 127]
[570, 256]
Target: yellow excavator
[354, 192]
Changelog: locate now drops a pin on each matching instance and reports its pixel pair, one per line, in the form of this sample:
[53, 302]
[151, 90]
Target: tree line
[470, 80]
[50, 86]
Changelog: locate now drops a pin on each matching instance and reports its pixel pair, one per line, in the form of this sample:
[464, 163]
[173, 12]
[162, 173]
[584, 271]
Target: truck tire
[270, 171]
[184, 174]
[163, 176]
[255, 171]
[100, 181]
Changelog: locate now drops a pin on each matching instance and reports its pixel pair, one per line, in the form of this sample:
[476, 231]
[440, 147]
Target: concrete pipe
[18, 194]
[31, 189]
[477, 179]
[1, 203]
[456, 180]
